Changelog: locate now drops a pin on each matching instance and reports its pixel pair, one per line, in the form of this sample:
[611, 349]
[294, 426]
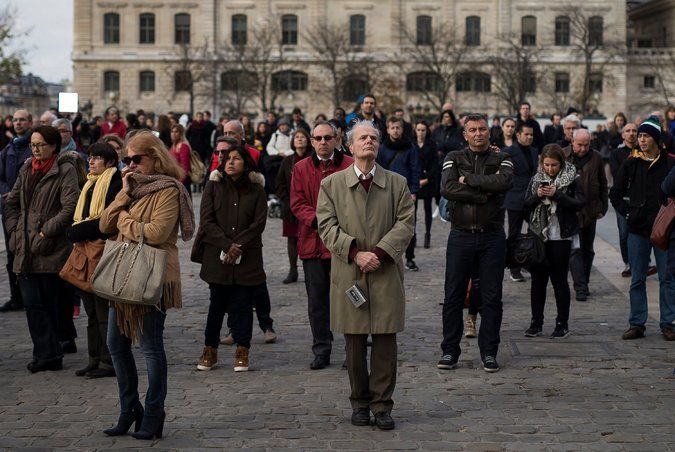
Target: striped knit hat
[652, 127]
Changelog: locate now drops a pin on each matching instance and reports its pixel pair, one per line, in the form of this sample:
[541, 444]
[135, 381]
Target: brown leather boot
[241, 359]
[209, 359]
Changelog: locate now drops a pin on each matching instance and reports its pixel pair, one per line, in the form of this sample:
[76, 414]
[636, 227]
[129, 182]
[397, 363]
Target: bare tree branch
[10, 60]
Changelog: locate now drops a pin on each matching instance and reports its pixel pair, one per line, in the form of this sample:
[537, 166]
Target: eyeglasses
[137, 159]
[38, 145]
[222, 151]
[319, 139]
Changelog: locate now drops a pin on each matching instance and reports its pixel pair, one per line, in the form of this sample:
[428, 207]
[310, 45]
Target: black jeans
[67, 294]
[263, 306]
[317, 283]
[97, 330]
[41, 302]
[581, 259]
[557, 256]
[465, 249]
[236, 301]
[410, 250]
[14, 291]
[516, 218]
[474, 297]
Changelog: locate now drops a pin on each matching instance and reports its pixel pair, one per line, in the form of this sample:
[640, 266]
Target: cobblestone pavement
[591, 391]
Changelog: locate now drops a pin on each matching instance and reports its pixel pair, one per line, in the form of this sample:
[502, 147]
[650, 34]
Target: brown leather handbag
[663, 225]
[81, 264]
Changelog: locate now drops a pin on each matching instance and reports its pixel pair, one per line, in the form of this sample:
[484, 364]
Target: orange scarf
[42, 167]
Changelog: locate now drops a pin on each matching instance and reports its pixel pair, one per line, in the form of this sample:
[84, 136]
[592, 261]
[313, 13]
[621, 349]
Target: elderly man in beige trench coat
[366, 219]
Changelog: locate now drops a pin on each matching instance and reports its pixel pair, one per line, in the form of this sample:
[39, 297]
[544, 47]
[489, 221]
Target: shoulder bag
[81, 264]
[130, 272]
[663, 225]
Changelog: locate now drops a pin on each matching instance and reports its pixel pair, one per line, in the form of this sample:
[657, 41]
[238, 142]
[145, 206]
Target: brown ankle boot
[209, 359]
[241, 359]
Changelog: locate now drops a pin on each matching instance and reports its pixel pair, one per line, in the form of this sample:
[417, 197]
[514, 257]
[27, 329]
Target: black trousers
[263, 306]
[410, 250]
[14, 292]
[235, 301]
[581, 259]
[557, 256]
[516, 218]
[372, 390]
[97, 330]
[427, 213]
[67, 295]
[317, 283]
[41, 302]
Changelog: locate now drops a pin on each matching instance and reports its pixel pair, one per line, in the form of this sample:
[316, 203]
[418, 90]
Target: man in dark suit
[553, 132]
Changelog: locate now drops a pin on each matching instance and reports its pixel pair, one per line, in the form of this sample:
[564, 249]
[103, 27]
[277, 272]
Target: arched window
[146, 81]
[357, 30]
[111, 81]
[478, 82]
[422, 82]
[472, 31]
[182, 28]
[595, 30]
[111, 28]
[289, 81]
[528, 31]
[237, 80]
[239, 30]
[423, 30]
[146, 28]
[562, 31]
[289, 29]
[353, 87]
[182, 81]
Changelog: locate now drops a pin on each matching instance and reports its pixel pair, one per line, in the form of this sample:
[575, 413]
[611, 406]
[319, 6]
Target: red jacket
[305, 183]
[255, 155]
[117, 128]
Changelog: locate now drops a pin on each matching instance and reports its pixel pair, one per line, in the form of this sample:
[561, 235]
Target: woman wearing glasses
[103, 184]
[152, 198]
[39, 209]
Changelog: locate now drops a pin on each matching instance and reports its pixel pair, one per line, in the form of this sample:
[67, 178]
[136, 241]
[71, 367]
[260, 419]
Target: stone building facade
[133, 54]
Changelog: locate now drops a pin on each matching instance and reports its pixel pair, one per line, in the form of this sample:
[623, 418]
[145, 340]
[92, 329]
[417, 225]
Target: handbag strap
[120, 254]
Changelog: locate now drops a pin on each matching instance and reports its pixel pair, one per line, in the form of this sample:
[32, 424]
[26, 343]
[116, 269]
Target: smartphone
[545, 183]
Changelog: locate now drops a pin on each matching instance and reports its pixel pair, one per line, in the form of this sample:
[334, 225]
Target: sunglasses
[323, 138]
[137, 159]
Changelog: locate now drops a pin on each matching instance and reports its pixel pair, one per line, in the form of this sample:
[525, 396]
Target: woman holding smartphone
[554, 196]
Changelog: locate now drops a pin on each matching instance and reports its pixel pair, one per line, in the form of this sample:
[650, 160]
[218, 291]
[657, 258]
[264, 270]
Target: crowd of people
[348, 189]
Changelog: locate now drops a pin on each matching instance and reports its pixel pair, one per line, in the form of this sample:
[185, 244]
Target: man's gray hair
[362, 123]
[325, 123]
[62, 122]
[581, 132]
[574, 119]
[239, 126]
[48, 116]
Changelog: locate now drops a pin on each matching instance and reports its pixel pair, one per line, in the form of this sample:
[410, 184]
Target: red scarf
[43, 167]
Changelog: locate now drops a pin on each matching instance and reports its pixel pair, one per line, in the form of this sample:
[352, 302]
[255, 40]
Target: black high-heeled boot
[427, 240]
[153, 427]
[125, 421]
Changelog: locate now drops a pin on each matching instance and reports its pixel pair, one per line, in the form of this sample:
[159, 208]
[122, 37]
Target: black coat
[430, 168]
[522, 173]
[570, 200]
[89, 230]
[448, 139]
[553, 134]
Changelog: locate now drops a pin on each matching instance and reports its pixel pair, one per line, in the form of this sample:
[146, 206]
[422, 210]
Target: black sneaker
[533, 331]
[490, 364]
[517, 276]
[411, 265]
[448, 362]
[560, 332]
[582, 296]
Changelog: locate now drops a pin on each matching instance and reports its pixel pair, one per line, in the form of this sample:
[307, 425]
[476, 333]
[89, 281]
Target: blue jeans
[622, 224]
[467, 251]
[639, 251]
[152, 344]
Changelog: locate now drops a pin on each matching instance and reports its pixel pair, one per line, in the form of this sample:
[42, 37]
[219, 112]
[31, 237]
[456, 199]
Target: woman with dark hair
[152, 199]
[614, 130]
[229, 247]
[180, 150]
[262, 136]
[300, 145]
[669, 116]
[103, 184]
[132, 122]
[429, 176]
[164, 129]
[6, 131]
[38, 211]
[447, 134]
[554, 197]
[508, 136]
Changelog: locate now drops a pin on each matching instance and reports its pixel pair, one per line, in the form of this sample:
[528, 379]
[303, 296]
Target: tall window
[357, 30]
[353, 87]
[289, 30]
[595, 28]
[422, 82]
[289, 81]
[529, 31]
[182, 81]
[111, 28]
[239, 30]
[146, 28]
[562, 31]
[562, 82]
[478, 82]
[146, 81]
[473, 31]
[237, 80]
[182, 28]
[423, 30]
[530, 82]
[595, 83]
[111, 81]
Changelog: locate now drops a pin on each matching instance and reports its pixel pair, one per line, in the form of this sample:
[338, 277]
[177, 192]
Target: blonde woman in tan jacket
[152, 195]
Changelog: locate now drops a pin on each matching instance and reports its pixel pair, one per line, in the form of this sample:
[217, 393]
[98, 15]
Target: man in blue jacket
[11, 160]
[398, 154]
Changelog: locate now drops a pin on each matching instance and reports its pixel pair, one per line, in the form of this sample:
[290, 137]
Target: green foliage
[10, 60]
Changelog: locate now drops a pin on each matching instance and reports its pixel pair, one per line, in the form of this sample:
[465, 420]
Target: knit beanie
[652, 127]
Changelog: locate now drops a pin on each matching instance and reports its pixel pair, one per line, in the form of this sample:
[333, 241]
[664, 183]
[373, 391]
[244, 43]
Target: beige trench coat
[382, 217]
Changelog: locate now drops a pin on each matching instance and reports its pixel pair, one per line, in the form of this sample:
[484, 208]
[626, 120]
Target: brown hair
[51, 136]
[301, 131]
[146, 141]
[112, 137]
[553, 151]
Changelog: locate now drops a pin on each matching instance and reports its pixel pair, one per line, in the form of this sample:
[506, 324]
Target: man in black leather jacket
[475, 179]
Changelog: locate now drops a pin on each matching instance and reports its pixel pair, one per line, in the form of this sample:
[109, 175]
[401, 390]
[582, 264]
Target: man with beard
[398, 154]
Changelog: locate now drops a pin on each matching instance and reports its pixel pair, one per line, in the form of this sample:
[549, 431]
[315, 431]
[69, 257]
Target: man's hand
[423, 182]
[235, 251]
[367, 261]
[461, 180]
[5, 195]
[414, 197]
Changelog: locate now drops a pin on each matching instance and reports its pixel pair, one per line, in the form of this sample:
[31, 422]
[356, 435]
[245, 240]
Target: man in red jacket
[305, 184]
[113, 124]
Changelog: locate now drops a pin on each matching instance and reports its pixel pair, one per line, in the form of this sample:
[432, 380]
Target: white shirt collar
[361, 176]
[322, 159]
